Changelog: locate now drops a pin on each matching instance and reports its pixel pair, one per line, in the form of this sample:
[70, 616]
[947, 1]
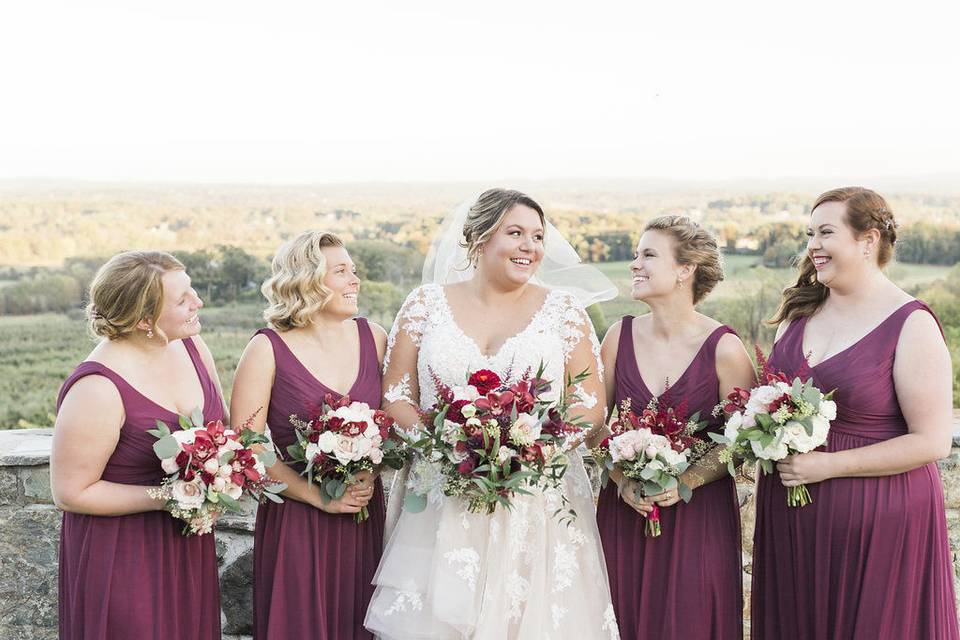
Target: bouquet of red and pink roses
[344, 439]
[210, 467]
[488, 440]
[652, 449]
[776, 419]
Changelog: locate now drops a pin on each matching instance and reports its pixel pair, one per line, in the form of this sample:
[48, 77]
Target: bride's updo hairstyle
[127, 289]
[866, 210]
[692, 244]
[487, 214]
[295, 289]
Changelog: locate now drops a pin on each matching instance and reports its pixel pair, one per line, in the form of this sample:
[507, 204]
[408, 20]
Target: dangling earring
[149, 333]
[680, 282]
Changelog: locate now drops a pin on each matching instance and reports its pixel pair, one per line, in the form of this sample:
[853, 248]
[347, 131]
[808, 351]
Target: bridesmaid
[869, 557]
[313, 565]
[126, 571]
[686, 583]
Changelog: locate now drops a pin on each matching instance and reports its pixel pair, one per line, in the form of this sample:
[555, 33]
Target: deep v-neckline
[476, 345]
[803, 331]
[196, 368]
[317, 380]
[696, 357]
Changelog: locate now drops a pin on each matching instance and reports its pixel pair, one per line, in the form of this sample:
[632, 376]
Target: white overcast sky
[317, 91]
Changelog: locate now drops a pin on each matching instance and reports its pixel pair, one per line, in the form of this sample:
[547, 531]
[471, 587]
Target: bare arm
[922, 378]
[251, 392]
[84, 437]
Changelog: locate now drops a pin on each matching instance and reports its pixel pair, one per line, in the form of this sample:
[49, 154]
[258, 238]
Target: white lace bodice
[446, 351]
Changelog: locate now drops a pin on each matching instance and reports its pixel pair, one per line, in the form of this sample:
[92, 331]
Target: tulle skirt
[521, 573]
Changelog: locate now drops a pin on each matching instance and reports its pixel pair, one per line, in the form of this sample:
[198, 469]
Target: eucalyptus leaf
[685, 492]
[184, 423]
[415, 503]
[267, 457]
[166, 447]
[197, 417]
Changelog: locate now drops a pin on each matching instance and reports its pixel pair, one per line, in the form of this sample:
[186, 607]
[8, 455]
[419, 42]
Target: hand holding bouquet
[652, 449]
[210, 467]
[345, 439]
[488, 440]
[774, 420]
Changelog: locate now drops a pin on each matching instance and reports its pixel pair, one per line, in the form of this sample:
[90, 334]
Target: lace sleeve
[400, 382]
[581, 351]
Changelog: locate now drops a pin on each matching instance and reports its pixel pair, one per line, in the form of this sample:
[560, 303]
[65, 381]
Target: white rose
[345, 449]
[504, 454]
[733, 426]
[749, 419]
[776, 450]
[466, 392]
[225, 471]
[188, 495]
[311, 451]
[184, 436]
[673, 458]
[234, 491]
[828, 409]
[327, 441]
[376, 455]
[795, 436]
[211, 465]
[451, 431]
[169, 465]
[525, 429]
[363, 448]
[761, 397]
[219, 483]
[821, 427]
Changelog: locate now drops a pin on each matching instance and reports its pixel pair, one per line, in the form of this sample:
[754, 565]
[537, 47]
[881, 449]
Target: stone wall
[30, 525]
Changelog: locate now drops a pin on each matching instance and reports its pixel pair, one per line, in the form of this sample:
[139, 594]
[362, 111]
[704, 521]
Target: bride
[448, 573]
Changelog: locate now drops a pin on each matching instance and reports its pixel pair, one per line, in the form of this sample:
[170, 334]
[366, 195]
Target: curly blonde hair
[693, 245]
[295, 289]
[127, 289]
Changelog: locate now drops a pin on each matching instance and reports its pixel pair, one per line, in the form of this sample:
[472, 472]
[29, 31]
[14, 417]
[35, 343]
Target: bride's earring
[149, 333]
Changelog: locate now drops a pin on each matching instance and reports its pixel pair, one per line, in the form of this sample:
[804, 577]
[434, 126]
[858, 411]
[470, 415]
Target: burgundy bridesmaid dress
[313, 571]
[685, 583]
[868, 559]
[137, 576]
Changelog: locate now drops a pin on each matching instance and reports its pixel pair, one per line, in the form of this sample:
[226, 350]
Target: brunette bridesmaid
[126, 570]
[686, 583]
[869, 557]
[313, 565]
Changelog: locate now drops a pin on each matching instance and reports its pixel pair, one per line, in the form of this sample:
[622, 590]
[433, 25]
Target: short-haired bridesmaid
[313, 564]
[869, 558]
[685, 583]
[126, 570]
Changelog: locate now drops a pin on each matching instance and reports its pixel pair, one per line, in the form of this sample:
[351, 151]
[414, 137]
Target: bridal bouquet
[488, 440]
[774, 420]
[210, 467]
[652, 449]
[344, 439]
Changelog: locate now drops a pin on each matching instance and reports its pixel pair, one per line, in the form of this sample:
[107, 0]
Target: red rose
[454, 413]
[485, 381]
[467, 466]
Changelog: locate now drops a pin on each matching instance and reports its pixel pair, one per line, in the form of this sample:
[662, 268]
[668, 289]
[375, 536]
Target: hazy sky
[319, 91]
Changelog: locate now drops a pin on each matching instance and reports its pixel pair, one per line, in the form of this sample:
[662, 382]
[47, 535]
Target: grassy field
[37, 352]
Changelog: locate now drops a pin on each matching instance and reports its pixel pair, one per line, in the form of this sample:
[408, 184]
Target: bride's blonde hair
[486, 215]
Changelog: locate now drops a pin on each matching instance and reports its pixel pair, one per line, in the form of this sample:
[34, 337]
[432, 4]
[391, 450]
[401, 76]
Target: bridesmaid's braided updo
[692, 244]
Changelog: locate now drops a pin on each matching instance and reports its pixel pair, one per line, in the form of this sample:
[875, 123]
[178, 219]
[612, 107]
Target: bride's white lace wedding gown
[516, 574]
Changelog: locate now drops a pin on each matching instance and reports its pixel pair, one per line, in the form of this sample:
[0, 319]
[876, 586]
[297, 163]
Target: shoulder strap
[91, 368]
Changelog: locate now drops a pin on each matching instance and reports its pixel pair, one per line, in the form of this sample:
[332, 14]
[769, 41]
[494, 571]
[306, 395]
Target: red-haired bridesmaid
[869, 558]
[313, 565]
[126, 570]
[686, 583]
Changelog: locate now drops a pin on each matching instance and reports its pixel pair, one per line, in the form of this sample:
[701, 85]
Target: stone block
[29, 542]
[236, 594]
[10, 486]
[36, 484]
